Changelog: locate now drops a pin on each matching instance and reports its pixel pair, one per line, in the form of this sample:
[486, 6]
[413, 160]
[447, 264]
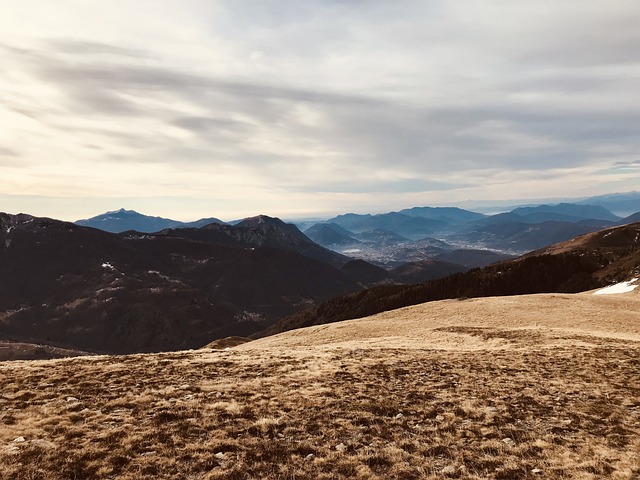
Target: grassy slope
[542, 386]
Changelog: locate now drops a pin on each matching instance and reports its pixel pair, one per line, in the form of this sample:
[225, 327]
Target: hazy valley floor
[541, 386]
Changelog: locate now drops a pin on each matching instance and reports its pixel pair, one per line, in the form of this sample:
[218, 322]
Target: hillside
[541, 386]
[330, 234]
[450, 215]
[424, 270]
[472, 258]
[81, 288]
[475, 323]
[506, 234]
[583, 263]
[413, 227]
[623, 204]
[29, 351]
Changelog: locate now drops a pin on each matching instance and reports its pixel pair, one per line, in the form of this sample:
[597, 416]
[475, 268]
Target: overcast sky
[192, 108]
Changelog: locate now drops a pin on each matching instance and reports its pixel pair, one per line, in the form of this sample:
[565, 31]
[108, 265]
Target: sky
[199, 108]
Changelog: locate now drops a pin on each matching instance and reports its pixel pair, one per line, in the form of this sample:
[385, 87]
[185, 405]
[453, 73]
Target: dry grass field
[540, 386]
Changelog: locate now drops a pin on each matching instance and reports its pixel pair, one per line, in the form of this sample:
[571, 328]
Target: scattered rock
[220, 456]
[399, 416]
[72, 399]
[19, 440]
[184, 387]
[536, 470]
[449, 470]
[439, 418]
[46, 444]
[341, 447]
[508, 441]
[309, 457]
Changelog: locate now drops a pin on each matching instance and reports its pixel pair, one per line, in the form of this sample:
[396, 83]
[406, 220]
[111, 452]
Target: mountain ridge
[77, 287]
[122, 220]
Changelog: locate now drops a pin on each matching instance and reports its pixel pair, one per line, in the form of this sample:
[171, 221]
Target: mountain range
[422, 233]
[122, 220]
[80, 288]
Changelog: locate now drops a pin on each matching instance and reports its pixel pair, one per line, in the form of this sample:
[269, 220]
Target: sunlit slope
[535, 386]
[477, 323]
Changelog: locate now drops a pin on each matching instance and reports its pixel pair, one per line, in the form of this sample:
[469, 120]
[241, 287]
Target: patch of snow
[108, 266]
[351, 250]
[246, 316]
[164, 277]
[108, 290]
[622, 287]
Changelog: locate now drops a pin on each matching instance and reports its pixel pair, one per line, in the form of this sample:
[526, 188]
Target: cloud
[8, 152]
[360, 101]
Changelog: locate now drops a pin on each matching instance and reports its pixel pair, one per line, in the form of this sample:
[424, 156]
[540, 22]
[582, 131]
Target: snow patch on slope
[622, 287]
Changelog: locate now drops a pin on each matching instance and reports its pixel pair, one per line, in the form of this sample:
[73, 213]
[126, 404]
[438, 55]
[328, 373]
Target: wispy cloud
[252, 105]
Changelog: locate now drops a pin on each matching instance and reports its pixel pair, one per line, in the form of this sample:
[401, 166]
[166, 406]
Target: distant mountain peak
[122, 220]
[262, 219]
[121, 210]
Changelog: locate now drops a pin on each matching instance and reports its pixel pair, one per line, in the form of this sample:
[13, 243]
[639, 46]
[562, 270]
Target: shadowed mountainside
[82, 288]
[261, 231]
[30, 351]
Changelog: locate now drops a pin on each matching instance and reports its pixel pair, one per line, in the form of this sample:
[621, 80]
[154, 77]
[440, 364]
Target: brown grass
[447, 396]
